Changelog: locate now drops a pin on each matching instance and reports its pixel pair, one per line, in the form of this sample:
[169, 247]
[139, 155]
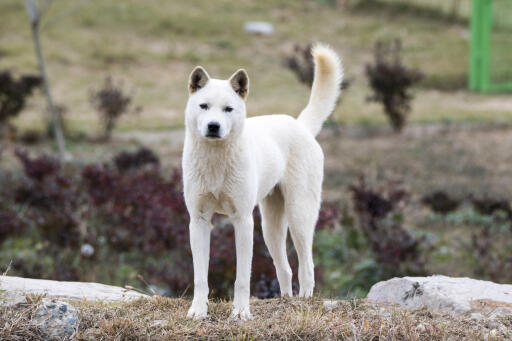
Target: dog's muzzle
[213, 130]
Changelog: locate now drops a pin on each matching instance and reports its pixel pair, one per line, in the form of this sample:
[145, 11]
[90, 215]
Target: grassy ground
[153, 45]
[287, 319]
[460, 161]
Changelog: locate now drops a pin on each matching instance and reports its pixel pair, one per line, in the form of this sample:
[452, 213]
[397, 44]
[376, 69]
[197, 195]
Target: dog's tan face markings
[198, 79]
[240, 83]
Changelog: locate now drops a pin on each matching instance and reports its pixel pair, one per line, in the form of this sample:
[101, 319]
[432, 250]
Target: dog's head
[216, 108]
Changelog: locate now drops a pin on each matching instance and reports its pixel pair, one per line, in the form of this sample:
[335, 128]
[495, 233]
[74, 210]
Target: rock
[160, 291]
[55, 319]
[476, 316]
[330, 305]
[259, 27]
[501, 312]
[159, 324]
[453, 295]
[420, 328]
[87, 250]
[14, 289]
[492, 335]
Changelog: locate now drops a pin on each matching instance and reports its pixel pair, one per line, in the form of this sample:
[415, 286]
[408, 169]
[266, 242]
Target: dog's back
[280, 142]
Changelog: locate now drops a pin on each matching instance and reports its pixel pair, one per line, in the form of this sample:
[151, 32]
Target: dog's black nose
[213, 128]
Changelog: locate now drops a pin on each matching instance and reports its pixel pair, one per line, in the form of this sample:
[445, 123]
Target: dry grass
[162, 318]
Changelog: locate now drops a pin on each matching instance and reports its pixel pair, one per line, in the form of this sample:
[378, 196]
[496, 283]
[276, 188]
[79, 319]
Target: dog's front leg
[200, 229]
[244, 228]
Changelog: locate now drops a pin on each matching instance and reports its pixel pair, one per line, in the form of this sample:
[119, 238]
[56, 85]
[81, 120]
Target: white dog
[231, 164]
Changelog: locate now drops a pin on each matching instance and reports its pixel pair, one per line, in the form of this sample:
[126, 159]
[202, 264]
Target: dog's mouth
[213, 136]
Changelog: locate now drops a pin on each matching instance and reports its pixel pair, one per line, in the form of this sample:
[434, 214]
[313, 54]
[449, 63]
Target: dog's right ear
[198, 79]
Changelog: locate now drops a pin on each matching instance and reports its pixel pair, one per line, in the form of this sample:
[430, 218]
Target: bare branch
[63, 14]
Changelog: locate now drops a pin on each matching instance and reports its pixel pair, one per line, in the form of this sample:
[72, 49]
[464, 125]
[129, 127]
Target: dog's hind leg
[302, 203]
[274, 232]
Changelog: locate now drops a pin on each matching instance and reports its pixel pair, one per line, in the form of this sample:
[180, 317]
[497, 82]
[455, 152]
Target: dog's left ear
[240, 83]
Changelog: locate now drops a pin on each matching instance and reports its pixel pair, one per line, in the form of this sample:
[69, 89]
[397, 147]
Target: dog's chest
[215, 177]
[221, 203]
[216, 184]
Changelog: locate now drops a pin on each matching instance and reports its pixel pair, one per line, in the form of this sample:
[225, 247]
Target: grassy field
[458, 141]
[152, 46]
[277, 319]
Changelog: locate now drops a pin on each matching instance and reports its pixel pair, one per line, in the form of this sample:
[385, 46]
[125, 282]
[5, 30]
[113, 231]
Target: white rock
[447, 294]
[55, 319]
[501, 312]
[330, 305]
[476, 316]
[491, 335]
[159, 324]
[87, 250]
[420, 328]
[259, 27]
[14, 289]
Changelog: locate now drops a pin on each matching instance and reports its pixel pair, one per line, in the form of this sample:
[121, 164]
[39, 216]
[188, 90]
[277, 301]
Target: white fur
[273, 161]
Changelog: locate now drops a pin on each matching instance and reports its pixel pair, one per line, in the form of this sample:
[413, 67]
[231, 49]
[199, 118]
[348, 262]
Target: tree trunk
[57, 129]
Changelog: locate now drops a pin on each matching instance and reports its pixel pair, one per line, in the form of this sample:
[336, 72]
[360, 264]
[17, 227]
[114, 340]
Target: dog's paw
[306, 293]
[243, 314]
[198, 311]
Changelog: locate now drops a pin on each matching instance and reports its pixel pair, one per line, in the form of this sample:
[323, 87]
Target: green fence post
[486, 18]
[481, 48]
[476, 50]
[481, 24]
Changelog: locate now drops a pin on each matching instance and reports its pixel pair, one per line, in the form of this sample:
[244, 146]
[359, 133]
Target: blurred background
[418, 162]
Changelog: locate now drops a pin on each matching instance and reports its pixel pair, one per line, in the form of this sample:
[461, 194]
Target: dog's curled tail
[325, 90]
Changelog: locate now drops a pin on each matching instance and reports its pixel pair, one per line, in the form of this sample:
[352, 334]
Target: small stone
[420, 328]
[259, 27]
[159, 323]
[330, 305]
[492, 325]
[56, 319]
[476, 316]
[160, 291]
[492, 335]
[87, 250]
[500, 312]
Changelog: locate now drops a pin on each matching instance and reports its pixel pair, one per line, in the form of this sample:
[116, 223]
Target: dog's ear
[240, 83]
[198, 79]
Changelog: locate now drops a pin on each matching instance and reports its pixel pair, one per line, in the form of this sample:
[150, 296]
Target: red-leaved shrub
[379, 213]
[131, 209]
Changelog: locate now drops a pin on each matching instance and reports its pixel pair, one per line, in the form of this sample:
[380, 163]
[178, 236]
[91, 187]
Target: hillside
[151, 46]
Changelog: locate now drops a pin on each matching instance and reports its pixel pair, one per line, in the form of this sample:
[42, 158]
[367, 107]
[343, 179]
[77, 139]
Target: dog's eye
[228, 109]
[203, 106]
